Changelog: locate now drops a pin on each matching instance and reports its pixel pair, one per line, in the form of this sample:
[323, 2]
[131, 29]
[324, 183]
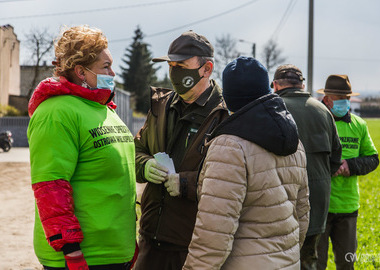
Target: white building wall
[9, 64]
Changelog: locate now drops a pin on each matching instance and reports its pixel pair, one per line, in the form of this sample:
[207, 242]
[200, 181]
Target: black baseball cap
[287, 72]
[187, 45]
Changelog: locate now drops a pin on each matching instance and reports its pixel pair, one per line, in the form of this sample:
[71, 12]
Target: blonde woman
[82, 161]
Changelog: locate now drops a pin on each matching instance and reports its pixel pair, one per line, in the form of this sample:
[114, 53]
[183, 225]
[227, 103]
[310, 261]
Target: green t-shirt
[88, 145]
[356, 142]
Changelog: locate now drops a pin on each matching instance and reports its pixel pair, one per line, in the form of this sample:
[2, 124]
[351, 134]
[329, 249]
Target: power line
[284, 18]
[92, 10]
[333, 58]
[349, 59]
[189, 24]
[4, 1]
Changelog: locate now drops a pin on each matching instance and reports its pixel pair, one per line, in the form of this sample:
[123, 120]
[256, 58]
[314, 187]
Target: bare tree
[40, 43]
[272, 55]
[225, 52]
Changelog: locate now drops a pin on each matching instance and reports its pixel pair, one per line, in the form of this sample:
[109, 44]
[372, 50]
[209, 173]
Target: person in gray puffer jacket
[253, 210]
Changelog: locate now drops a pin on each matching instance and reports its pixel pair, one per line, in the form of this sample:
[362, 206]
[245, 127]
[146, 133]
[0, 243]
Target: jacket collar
[291, 91]
[201, 100]
[265, 122]
[61, 86]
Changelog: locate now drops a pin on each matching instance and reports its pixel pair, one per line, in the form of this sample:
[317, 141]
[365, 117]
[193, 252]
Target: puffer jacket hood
[265, 122]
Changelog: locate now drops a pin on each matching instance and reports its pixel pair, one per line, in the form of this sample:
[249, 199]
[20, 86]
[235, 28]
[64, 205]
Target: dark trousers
[341, 229]
[309, 254]
[154, 255]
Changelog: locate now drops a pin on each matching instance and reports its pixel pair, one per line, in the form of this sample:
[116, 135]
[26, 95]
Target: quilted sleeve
[56, 210]
[224, 187]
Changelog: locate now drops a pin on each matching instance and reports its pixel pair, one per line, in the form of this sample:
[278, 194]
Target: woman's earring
[85, 84]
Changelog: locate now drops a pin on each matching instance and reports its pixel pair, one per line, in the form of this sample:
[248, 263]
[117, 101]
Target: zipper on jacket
[207, 134]
[160, 212]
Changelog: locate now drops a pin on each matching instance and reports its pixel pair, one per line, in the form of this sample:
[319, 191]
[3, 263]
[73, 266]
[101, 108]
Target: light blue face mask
[104, 81]
[340, 107]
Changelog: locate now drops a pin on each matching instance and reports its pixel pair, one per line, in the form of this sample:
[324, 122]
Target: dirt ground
[17, 217]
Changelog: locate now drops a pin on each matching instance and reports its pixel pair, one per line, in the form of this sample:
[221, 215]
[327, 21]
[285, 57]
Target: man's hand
[154, 172]
[343, 169]
[76, 261]
[172, 185]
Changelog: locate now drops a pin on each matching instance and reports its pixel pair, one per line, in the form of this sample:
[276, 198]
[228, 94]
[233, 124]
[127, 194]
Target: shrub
[7, 110]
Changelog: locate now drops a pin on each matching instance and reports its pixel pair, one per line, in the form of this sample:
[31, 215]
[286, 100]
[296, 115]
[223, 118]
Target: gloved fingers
[157, 179]
[154, 172]
[170, 189]
[154, 181]
[174, 193]
[159, 167]
[173, 177]
[172, 185]
[158, 172]
[167, 185]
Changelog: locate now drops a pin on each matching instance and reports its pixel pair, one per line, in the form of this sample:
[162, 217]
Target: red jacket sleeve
[56, 210]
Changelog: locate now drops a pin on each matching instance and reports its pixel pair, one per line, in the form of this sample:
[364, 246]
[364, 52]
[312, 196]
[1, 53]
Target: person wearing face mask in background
[359, 157]
[178, 123]
[82, 161]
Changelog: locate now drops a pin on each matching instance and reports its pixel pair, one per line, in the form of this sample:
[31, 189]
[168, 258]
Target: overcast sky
[346, 32]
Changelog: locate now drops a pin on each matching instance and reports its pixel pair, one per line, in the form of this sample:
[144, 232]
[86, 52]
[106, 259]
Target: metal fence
[123, 102]
[137, 123]
[19, 125]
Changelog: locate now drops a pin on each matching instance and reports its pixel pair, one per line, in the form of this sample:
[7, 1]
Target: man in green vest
[323, 151]
[359, 157]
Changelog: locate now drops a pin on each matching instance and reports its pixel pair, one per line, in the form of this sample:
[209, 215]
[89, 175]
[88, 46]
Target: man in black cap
[317, 132]
[177, 124]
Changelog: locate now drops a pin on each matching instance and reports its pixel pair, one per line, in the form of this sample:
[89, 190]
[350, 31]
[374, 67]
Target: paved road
[16, 154]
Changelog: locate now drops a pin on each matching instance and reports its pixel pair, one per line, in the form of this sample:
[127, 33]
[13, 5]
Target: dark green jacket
[317, 132]
[167, 218]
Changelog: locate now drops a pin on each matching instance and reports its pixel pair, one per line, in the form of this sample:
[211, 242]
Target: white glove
[154, 172]
[172, 185]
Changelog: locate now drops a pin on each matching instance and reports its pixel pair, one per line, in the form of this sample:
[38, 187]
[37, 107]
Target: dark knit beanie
[244, 80]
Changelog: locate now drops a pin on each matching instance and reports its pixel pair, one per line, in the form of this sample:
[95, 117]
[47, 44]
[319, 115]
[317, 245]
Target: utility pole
[310, 48]
[254, 50]
[253, 46]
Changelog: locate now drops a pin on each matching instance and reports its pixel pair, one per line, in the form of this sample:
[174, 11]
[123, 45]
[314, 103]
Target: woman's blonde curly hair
[78, 45]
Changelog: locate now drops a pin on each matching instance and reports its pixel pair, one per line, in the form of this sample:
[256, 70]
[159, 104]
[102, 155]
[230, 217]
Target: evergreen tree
[138, 73]
[164, 83]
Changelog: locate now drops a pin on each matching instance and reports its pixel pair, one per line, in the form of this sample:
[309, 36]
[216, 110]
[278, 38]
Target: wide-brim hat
[186, 46]
[338, 85]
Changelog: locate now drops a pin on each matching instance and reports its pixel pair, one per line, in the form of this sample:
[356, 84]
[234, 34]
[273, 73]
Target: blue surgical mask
[340, 107]
[104, 81]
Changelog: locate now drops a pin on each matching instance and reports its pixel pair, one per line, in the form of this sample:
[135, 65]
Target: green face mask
[184, 79]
